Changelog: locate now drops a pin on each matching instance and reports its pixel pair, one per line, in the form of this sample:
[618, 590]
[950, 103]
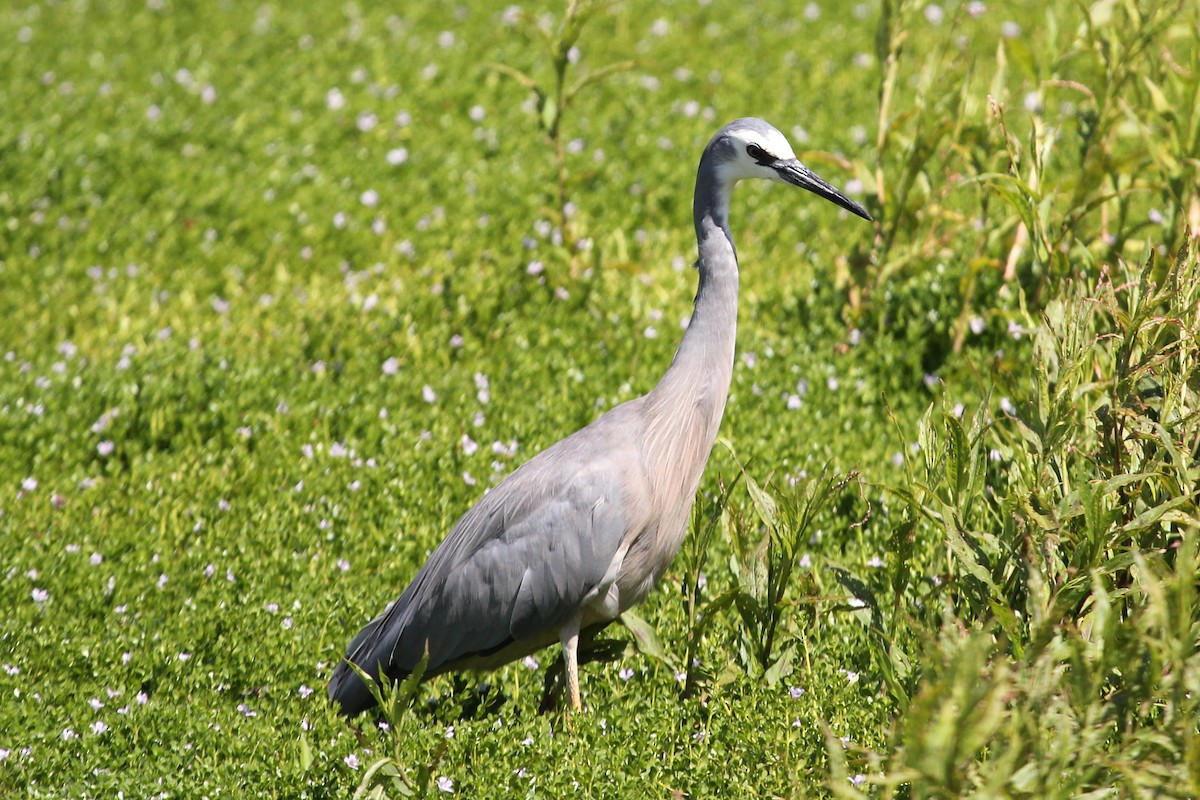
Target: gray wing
[517, 565]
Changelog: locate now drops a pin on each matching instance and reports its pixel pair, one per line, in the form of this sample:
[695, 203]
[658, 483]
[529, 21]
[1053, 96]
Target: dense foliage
[285, 287]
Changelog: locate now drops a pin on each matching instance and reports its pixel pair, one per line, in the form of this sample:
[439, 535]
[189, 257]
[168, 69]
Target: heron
[583, 530]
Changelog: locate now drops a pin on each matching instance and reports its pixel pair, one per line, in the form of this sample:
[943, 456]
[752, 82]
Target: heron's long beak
[795, 173]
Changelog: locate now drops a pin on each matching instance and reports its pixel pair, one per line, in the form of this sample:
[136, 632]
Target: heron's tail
[346, 687]
[349, 691]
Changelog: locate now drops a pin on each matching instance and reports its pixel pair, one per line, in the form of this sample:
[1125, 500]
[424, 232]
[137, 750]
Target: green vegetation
[283, 290]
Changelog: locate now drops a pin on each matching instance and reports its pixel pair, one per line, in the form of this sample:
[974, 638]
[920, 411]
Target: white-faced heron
[584, 529]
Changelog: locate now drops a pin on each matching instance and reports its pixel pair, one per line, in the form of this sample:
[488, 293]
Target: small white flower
[352, 761]
[444, 784]
[29, 484]
[40, 595]
[334, 100]
[99, 727]
[369, 198]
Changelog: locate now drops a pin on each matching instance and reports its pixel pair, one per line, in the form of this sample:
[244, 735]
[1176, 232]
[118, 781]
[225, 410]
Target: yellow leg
[570, 642]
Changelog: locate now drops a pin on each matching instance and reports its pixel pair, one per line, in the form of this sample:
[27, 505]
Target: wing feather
[519, 563]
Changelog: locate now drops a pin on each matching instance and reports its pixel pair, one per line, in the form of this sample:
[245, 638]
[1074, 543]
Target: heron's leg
[570, 642]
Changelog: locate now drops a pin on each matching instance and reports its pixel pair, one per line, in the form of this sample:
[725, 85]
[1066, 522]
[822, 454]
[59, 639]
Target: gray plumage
[583, 530]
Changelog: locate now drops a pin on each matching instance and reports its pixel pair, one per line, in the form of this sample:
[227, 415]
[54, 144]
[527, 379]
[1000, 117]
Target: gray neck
[687, 404]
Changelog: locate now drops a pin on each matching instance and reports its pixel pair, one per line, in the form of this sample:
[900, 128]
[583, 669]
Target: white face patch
[774, 142]
[744, 167]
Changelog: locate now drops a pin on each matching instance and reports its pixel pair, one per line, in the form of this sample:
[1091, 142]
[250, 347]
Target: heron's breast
[648, 558]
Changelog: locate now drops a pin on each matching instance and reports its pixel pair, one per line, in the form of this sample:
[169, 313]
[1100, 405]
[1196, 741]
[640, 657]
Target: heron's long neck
[684, 410]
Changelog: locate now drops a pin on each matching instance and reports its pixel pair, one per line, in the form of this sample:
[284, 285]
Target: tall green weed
[1055, 644]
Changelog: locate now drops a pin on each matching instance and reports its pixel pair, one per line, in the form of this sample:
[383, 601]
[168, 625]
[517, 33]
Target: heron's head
[751, 148]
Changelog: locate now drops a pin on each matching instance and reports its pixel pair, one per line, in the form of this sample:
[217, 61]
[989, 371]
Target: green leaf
[517, 75]
[644, 636]
[781, 668]
[306, 754]
[764, 504]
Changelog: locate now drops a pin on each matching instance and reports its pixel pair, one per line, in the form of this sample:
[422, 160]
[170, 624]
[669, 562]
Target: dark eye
[759, 155]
